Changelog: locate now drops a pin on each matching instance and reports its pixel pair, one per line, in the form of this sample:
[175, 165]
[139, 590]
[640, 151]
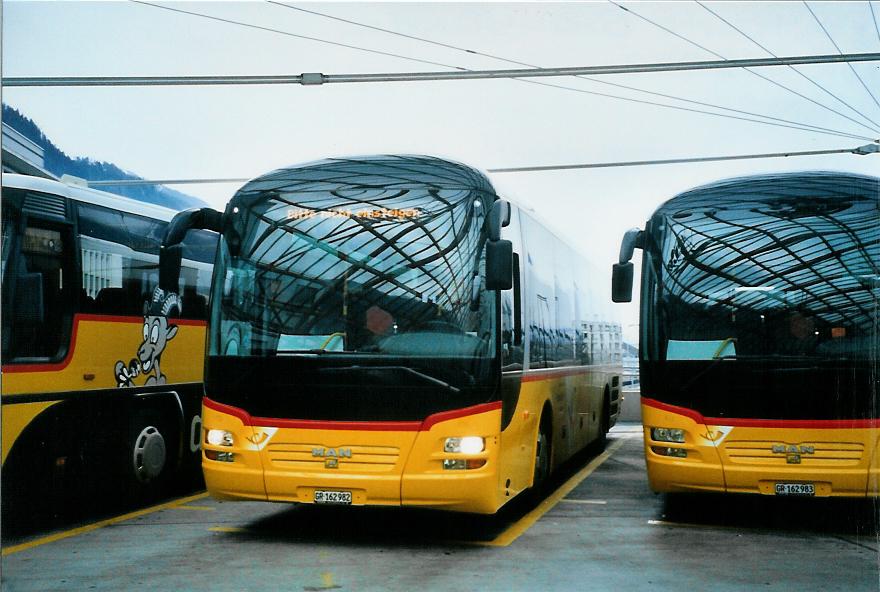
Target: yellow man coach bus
[101, 385]
[759, 336]
[386, 331]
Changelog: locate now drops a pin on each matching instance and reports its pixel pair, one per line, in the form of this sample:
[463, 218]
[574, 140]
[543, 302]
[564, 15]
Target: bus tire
[148, 459]
[543, 450]
[604, 421]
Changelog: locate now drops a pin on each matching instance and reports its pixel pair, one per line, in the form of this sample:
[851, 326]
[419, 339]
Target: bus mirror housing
[498, 219]
[499, 265]
[169, 267]
[622, 282]
[622, 271]
[171, 251]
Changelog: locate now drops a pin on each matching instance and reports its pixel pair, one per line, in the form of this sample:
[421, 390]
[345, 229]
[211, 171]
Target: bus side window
[120, 260]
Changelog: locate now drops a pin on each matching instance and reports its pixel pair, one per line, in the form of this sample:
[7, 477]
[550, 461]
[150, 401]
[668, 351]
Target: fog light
[668, 451]
[454, 464]
[219, 456]
[667, 435]
[465, 445]
[218, 438]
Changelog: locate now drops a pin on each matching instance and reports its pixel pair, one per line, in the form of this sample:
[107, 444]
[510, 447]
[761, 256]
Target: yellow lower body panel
[374, 467]
[766, 460]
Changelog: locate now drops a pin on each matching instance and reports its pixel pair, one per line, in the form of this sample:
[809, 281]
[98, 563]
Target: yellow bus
[101, 387]
[386, 331]
[759, 336]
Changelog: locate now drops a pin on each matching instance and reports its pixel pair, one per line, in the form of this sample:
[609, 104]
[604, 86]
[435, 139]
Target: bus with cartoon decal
[102, 372]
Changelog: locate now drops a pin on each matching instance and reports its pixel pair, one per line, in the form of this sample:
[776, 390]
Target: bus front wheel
[148, 454]
[542, 455]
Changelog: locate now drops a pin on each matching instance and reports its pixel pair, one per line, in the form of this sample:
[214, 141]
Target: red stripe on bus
[312, 424]
[432, 420]
[71, 350]
[765, 423]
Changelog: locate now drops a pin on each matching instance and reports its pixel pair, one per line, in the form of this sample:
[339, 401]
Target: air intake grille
[40, 203]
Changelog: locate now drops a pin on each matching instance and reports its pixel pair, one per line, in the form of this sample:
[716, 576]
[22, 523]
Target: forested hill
[58, 163]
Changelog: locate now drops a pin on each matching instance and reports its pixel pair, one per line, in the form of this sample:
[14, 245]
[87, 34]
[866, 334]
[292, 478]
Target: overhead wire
[797, 71]
[718, 55]
[860, 150]
[795, 124]
[831, 39]
[874, 18]
[295, 35]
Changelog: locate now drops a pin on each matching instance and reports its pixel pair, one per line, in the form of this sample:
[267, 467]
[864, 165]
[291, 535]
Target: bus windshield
[762, 299]
[375, 289]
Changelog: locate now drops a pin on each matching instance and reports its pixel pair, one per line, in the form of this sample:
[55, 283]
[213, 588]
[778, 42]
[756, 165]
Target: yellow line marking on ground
[200, 508]
[100, 524]
[580, 501]
[227, 529]
[523, 524]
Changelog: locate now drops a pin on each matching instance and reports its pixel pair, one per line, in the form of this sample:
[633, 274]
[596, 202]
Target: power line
[317, 78]
[874, 18]
[295, 35]
[796, 125]
[761, 76]
[831, 39]
[798, 72]
[860, 150]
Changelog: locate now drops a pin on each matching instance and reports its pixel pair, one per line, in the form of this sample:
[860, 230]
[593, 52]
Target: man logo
[792, 452]
[331, 456]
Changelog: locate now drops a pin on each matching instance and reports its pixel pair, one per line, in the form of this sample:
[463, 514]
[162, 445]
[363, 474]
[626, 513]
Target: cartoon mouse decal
[157, 332]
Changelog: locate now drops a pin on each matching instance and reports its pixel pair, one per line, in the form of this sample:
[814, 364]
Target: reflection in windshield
[789, 269]
[327, 273]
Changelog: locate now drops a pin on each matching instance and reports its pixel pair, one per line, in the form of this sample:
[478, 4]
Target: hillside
[58, 163]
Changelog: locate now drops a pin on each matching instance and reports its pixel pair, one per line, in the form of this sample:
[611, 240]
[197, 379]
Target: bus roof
[374, 172]
[87, 195]
[815, 185]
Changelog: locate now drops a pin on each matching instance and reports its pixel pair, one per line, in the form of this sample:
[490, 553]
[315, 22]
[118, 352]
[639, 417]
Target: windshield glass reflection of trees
[793, 278]
[367, 272]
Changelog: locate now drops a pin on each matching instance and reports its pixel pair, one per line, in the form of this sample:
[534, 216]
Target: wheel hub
[148, 456]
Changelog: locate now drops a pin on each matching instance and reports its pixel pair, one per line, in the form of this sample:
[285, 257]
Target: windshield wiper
[408, 370]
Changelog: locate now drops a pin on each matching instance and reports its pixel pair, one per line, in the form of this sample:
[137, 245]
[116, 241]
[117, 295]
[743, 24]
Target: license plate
[332, 497]
[795, 489]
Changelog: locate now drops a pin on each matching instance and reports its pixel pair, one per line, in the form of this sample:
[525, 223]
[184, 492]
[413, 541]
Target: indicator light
[668, 451]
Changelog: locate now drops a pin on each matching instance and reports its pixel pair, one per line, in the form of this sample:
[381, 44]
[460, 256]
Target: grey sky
[245, 131]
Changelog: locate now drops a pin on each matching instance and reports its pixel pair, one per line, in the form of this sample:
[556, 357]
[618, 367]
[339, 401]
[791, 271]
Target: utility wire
[874, 18]
[796, 124]
[297, 36]
[861, 150]
[797, 71]
[770, 80]
[831, 39]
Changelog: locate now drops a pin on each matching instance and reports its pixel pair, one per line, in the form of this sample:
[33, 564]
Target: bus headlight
[218, 438]
[667, 435]
[465, 445]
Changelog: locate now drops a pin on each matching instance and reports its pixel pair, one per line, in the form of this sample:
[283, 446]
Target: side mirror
[499, 217]
[622, 282]
[499, 265]
[170, 258]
